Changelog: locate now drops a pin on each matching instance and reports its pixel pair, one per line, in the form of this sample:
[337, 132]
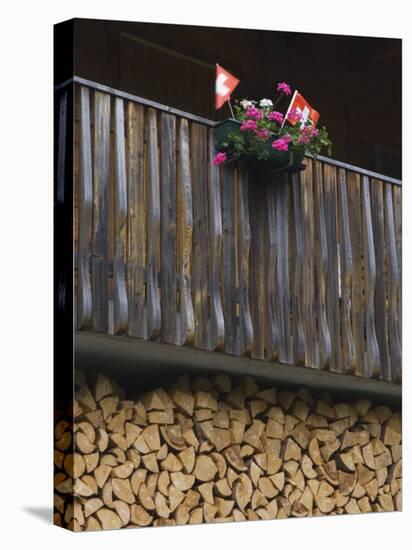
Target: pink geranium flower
[280, 144]
[253, 112]
[276, 116]
[294, 116]
[262, 134]
[219, 158]
[284, 88]
[315, 131]
[248, 125]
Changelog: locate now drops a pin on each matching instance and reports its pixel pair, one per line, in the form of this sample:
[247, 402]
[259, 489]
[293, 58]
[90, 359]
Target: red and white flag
[300, 105]
[225, 84]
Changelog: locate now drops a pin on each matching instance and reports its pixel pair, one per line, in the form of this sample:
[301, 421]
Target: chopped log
[243, 491]
[109, 519]
[205, 468]
[173, 437]
[123, 490]
[206, 490]
[314, 452]
[234, 458]
[123, 511]
[150, 462]
[139, 516]
[184, 482]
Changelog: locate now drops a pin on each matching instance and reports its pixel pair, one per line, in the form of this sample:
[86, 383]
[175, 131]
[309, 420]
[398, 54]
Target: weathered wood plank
[184, 235]
[61, 147]
[245, 321]
[120, 313]
[393, 288]
[136, 220]
[217, 324]
[273, 324]
[296, 302]
[321, 268]
[357, 309]
[200, 257]
[332, 282]
[368, 245]
[84, 297]
[282, 265]
[308, 296]
[229, 294]
[153, 230]
[257, 289]
[381, 319]
[100, 240]
[397, 211]
[168, 332]
[346, 267]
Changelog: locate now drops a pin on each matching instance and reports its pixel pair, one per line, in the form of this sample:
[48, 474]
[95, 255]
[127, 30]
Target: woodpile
[215, 449]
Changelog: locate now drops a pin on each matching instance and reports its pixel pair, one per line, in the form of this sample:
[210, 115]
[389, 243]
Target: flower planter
[290, 161]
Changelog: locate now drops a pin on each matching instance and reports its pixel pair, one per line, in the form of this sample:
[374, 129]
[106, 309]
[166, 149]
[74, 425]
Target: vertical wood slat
[332, 293]
[397, 213]
[371, 344]
[296, 302]
[200, 259]
[153, 230]
[168, 277]
[184, 235]
[308, 297]
[84, 302]
[381, 319]
[321, 267]
[357, 309]
[282, 265]
[257, 290]
[345, 249]
[273, 296]
[136, 220]
[229, 296]
[100, 240]
[245, 321]
[393, 288]
[61, 151]
[120, 313]
[217, 324]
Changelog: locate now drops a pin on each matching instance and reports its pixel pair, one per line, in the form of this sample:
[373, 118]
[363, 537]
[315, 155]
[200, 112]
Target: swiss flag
[308, 114]
[225, 84]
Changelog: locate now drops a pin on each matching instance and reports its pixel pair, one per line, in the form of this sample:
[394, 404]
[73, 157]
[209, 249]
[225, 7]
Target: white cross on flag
[225, 84]
[299, 104]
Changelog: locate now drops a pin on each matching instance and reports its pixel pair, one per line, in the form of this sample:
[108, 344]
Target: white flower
[265, 103]
[246, 103]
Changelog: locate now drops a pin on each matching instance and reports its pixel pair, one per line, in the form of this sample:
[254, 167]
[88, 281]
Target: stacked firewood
[210, 450]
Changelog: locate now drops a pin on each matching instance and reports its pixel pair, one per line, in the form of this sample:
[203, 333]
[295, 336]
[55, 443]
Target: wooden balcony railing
[301, 269]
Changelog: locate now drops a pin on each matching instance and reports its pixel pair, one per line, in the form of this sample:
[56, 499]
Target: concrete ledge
[138, 365]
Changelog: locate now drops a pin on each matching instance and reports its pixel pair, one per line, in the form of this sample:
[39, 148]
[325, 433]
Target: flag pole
[230, 107]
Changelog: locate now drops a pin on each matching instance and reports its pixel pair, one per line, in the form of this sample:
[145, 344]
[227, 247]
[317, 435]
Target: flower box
[290, 161]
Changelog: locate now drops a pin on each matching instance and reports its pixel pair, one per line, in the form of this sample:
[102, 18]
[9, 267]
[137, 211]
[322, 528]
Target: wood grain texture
[393, 278]
[200, 258]
[346, 267]
[153, 230]
[321, 268]
[100, 240]
[282, 266]
[61, 147]
[273, 325]
[298, 251]
[136, 220]
[332, 282]
[357, 309]
[397, 214]
[120, 313]
[184, 235]
[245, 327]
[217, 324]
[368, 244]
[229, 287]
[308, 296]
[381, 318]
[168, 332]
[84, 296]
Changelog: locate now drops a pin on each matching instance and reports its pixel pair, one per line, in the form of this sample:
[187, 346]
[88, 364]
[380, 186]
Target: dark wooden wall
[354, 82]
